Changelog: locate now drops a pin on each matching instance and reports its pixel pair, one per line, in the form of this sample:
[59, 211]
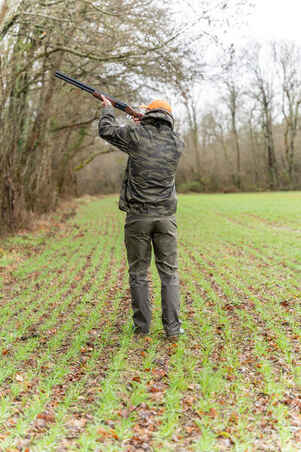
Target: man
[148, 197]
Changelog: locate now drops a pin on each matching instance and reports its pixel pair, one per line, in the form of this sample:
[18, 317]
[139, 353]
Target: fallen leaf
[137, 379]
[154, 389]
[234, 418]
[46, 417]
[105, 434]
[212, 413]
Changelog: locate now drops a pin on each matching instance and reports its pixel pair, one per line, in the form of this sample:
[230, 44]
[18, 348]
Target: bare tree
[263, 91]
[287, 58]
[232, 98]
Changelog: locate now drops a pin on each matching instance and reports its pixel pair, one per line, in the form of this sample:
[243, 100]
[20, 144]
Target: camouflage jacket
[154, 150]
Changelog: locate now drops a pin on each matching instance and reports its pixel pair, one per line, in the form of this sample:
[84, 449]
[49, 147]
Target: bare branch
[44, 16]
[75, 125]
[107, 13]
[89, 160]
[54, 3]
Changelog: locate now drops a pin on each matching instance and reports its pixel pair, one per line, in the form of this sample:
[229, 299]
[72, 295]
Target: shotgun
[115, 102]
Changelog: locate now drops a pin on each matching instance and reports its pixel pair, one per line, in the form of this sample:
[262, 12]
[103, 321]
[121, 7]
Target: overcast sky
[276, 19]
[268, 20]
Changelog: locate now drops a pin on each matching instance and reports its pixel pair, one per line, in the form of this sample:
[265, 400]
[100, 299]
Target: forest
[236, 106]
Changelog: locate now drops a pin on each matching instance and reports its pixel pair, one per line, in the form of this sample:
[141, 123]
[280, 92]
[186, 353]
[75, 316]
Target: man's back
[154, 150]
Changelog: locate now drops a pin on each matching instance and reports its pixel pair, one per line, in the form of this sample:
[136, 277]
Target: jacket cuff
[108, 110]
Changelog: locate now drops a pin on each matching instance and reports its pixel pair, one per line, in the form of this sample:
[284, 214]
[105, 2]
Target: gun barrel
[115, 102]
[74, 82]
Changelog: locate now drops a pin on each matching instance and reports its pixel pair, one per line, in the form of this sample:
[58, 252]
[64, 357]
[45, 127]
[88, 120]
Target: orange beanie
[158, 105]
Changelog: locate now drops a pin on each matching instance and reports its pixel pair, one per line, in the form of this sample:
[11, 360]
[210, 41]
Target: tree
[231, 83]
[263, 91]
[287, 56]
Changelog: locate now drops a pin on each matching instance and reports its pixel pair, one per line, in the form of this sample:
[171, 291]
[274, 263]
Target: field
[72, 375]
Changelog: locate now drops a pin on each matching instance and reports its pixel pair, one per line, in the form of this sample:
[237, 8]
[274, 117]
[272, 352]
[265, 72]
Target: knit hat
[158, 105]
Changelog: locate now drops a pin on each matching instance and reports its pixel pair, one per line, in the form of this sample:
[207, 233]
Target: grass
[73, 377]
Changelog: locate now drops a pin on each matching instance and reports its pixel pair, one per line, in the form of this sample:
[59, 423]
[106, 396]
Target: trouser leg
[138, 246]
[170, 304]
[165, 248]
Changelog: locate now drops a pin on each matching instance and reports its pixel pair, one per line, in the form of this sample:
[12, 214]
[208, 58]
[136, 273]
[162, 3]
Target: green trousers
[142, 233]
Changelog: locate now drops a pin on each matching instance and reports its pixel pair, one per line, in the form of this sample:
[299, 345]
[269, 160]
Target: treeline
[248, 137]
[241, 125]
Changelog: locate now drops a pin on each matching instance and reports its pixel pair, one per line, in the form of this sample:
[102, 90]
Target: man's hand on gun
[105, 101]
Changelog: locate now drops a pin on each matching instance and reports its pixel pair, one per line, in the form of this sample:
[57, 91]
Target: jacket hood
[159, 115]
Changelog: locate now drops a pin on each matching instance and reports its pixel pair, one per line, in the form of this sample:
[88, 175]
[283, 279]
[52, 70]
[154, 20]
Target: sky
[276, 19]
[268, 20]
